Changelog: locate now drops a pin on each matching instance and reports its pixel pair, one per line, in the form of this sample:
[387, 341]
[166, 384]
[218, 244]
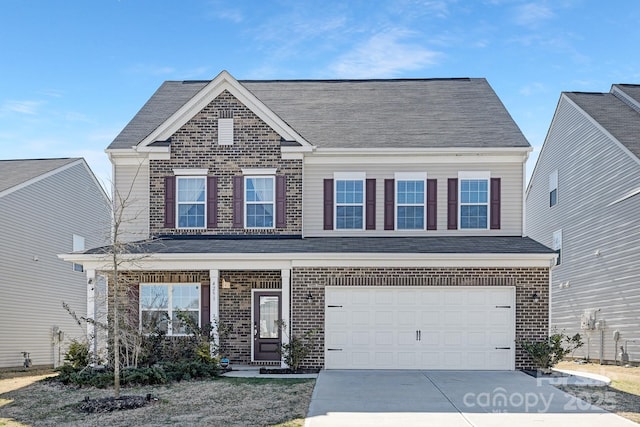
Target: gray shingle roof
[400, 113]
[297, 245]
[618, 118]
[15, 172]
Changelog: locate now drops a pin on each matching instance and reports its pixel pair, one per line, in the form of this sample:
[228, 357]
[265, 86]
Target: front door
[266, 330]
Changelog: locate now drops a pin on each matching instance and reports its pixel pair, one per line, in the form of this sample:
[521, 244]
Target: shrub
[78, 354]
[298, 348]
[548, 353]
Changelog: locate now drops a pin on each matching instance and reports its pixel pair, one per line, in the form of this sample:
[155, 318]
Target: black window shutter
[170, 201]
[432, 204]
[281, 201]
[371, 204]
[212, 202]
[389, 203]
[495, 203]
[238, 201]
[328, 204]
[452, 204]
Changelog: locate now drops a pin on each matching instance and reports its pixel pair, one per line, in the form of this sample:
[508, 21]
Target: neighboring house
[583, 200]
[47, 207]
[387, 214]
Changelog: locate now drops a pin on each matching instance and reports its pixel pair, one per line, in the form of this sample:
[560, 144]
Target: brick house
[387, 214]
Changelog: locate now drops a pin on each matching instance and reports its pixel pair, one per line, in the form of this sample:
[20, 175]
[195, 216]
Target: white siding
[38, 223]
[511, 197]
[600, 252]
[132, 190]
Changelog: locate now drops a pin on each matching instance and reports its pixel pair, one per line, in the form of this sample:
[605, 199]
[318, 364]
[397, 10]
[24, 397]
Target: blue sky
[73, 72]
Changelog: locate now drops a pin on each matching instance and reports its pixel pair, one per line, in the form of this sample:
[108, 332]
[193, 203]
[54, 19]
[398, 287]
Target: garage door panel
[406, 337]
[384, 337]
[476, 339]
[407, 360]
[361, 338]
[406, 318]
[430, 338]
[421, 328]
[384, 360]
[361, 318]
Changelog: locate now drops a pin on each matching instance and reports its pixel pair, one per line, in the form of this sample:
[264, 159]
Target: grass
[622, 397]
[223, 401]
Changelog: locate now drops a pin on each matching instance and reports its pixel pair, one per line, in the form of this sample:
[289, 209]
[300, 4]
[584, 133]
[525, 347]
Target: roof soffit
[224, 81]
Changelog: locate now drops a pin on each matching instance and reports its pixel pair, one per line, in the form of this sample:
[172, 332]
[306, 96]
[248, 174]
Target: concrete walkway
[447, 398]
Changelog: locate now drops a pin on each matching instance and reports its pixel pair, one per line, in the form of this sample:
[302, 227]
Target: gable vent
[225, 127]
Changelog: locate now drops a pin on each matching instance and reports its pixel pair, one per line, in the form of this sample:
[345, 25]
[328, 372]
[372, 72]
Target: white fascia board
[427, 150]
[127, 157]
[223, 81]
[252, 261]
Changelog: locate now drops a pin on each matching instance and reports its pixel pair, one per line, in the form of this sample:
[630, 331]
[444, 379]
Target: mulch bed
[289, 371]
[110, 404]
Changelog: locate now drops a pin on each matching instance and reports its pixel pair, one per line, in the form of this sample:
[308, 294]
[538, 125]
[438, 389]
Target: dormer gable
[223, 82]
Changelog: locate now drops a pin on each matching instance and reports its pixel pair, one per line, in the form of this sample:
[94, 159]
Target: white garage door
[420, 328]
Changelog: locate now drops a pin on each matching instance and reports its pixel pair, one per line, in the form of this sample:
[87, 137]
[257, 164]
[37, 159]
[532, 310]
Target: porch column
[214, 304]
[286, 308]
[91, 311]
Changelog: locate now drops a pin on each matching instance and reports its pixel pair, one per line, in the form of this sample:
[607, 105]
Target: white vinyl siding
[132, 190]
[599, 267]
[512, 183]
[37, 223]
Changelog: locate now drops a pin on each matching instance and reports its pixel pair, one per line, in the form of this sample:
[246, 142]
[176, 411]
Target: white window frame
[169, 310]
[178, 202]
[475, 176]
[553, 186]
[262, 202]
[349, 176]
[411, 177]
[78, 245]
[556, 245]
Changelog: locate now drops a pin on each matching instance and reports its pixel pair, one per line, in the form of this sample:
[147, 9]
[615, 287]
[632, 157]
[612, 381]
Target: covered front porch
[245, 306]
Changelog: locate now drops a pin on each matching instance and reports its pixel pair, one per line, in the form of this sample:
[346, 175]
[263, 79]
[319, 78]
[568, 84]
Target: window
[410, 201]
[160, 305]
[259, 201]
[78, 246]
[191, 195]
[553, 188]
[474, 200]
[557, 244]
[349, 206]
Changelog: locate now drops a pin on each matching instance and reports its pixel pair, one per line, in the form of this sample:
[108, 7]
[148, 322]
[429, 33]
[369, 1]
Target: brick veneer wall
[195, 146]
[532, 321]
[235, 309]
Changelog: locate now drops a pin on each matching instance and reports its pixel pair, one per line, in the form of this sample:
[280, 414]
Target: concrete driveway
[447, 398]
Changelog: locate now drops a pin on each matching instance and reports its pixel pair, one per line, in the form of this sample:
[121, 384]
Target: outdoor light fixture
[226, 284]
[535, 297]
[309, 297]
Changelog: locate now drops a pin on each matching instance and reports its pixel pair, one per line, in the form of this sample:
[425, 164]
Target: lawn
[219, 402]
[622, 397]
